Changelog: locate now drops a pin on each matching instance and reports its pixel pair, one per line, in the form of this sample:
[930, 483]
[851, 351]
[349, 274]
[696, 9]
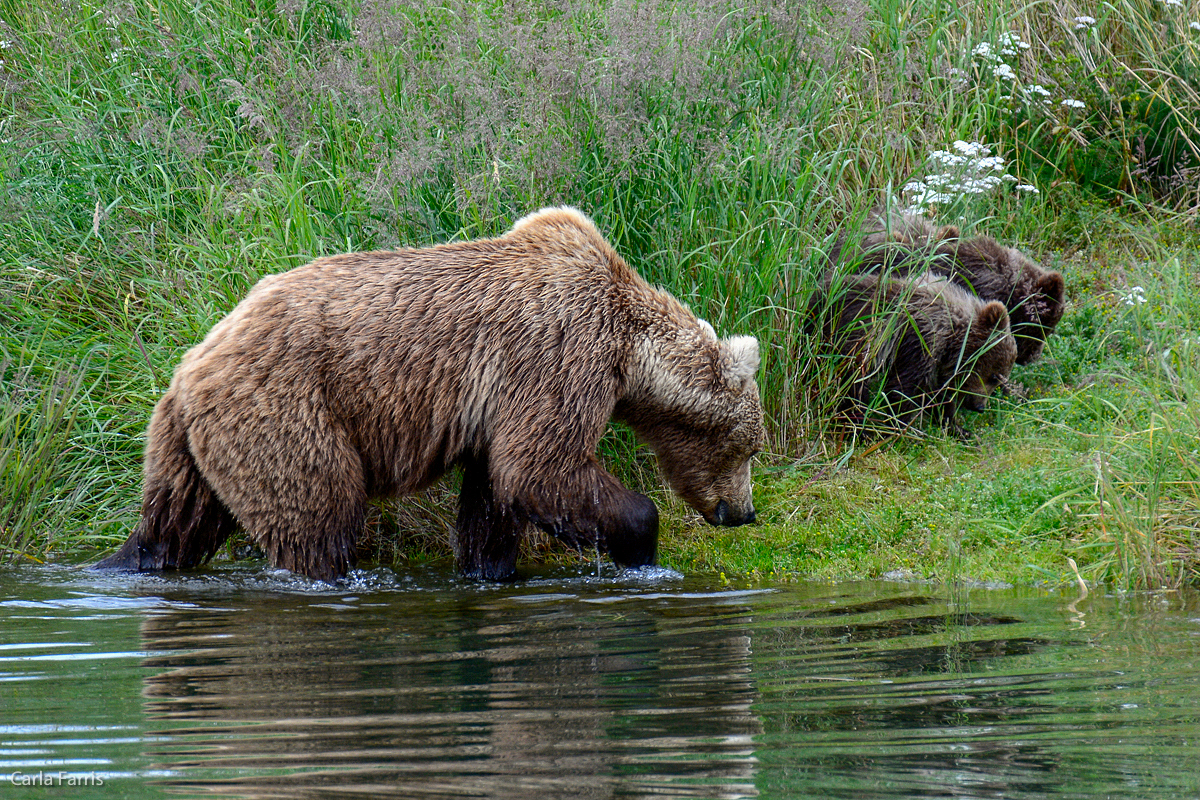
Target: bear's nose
[750, 517]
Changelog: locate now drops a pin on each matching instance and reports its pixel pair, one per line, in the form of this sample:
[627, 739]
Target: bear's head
[705, 424]
[1035, 298]
[988, 353]
[1038, 313]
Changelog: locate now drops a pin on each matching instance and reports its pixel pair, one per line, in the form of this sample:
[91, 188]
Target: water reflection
[460, 693]
[967, 705]
[251, 683]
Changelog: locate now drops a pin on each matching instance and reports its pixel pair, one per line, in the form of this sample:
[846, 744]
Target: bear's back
[433, 345]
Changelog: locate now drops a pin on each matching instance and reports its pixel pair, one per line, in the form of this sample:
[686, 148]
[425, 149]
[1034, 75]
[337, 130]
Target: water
[245, 682]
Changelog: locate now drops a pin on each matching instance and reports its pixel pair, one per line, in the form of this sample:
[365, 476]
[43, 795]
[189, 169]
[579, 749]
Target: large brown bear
[372, 374]
[910, 244]
[924, 346]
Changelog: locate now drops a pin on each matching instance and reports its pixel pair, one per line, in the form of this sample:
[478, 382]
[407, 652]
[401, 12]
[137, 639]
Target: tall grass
[157, 158]
[1144, 490]
[40, 482]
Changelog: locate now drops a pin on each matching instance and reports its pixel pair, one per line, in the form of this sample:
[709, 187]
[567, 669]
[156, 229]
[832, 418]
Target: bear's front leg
[591, 507]
[630, 534]
[489, 532]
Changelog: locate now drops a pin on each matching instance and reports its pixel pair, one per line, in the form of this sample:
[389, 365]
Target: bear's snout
[724, 515]
[976, 403]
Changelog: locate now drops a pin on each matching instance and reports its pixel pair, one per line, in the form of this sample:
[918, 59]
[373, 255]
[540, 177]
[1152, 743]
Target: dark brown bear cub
[372, 374]
[924, 346]
[910, 244]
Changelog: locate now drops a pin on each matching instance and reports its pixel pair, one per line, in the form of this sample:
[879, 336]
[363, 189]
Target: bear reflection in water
[454, 697]
[446, 693]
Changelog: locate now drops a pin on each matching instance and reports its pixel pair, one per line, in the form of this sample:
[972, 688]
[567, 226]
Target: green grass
[157, 158]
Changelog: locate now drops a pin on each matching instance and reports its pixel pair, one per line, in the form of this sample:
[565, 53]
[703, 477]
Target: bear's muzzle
[725, 516]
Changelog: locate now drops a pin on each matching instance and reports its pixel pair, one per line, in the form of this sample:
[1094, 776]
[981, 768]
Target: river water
[241, 681]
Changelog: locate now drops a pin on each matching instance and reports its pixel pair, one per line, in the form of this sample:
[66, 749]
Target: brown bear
[371, 374]
[910, 244]
[922, 346]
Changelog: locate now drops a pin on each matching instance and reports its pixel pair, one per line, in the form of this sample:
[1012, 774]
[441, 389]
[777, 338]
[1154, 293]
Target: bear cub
[908, 244]
[370, 375]
[924, 347]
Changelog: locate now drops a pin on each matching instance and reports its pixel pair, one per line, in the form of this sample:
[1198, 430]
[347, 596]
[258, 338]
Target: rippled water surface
[244, 682]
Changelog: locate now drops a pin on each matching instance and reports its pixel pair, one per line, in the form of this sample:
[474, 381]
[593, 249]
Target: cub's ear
[992, 317]
[1051, 285]
[739, 359]
[946, 233]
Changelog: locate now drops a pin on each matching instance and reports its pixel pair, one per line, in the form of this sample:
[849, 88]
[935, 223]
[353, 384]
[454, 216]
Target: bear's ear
[739, 359]
[947, 233]
[992, 317]
[1051, 285]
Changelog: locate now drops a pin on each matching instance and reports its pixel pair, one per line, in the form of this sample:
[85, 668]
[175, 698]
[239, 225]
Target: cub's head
[1040, 302]
[1035, 298]
[694, 400]
[989, 354]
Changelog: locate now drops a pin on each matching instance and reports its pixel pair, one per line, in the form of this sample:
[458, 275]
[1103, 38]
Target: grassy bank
[158, 158]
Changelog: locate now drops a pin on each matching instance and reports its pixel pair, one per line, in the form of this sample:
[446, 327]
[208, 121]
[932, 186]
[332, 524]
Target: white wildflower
[1003, 70]
[5, 44]
[1134, 297]
[1072, 103]
[984, 50]
[965, 169]
[1084, 22]
[1011, 44]
[1038, 89]
[971, 149]
[1194, 26]
[1177, 3]
[1027, 187]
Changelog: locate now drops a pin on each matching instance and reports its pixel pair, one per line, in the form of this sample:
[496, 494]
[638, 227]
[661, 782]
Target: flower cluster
[967, 168]
[1134, 297]
[992, 57]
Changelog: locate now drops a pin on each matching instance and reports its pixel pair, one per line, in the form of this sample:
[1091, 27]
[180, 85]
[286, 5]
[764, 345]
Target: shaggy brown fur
[928, 345]
[908, 244]
[372, 374]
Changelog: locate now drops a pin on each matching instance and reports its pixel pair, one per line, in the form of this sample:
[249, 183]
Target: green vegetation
[157, 158]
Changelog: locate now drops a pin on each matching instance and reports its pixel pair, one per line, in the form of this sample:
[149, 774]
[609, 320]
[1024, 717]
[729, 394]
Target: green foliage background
[158, 157]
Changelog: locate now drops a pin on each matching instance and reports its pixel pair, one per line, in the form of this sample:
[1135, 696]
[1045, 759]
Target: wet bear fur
[370, 375]
[908, 244]
[926, 347]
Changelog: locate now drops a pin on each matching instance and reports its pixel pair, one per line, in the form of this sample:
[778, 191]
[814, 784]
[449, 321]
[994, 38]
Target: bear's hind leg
[324, 550]
[183, 522]
[489, 533]
[295, 483]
